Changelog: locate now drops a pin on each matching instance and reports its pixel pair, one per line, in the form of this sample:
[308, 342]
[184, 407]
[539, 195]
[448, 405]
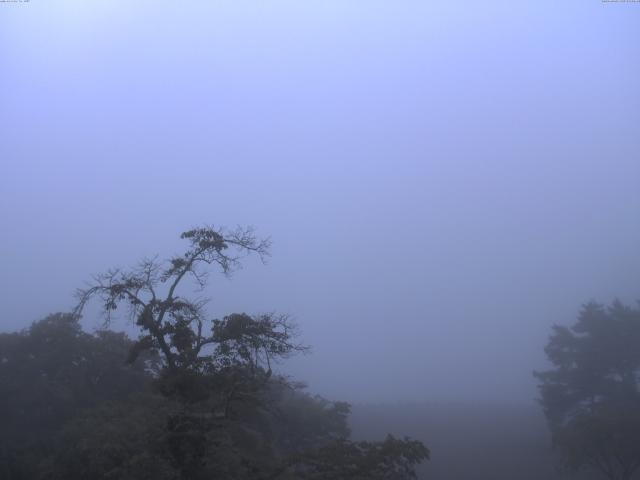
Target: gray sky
[442, 181]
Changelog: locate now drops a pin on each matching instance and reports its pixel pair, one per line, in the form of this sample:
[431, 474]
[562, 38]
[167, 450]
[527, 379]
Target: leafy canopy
[591, 396]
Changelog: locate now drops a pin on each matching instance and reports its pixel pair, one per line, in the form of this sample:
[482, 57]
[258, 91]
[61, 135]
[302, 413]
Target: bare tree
[175, 325]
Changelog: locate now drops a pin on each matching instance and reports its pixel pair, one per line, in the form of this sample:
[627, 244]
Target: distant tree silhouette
[591, 397]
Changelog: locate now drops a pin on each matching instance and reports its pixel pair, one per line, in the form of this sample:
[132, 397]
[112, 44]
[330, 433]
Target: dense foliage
[591, 397]
[191, 398]
[51, 372]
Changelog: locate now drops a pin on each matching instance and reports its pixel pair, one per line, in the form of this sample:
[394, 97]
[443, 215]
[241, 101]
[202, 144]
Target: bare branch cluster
[176, 326]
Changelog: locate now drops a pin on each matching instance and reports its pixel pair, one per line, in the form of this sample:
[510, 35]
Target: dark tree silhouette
[591, 397]
[390, 459]
[221, 411]
[173, 324]
[230, 358]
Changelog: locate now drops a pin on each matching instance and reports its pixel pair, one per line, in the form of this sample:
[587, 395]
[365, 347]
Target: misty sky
[442, 181]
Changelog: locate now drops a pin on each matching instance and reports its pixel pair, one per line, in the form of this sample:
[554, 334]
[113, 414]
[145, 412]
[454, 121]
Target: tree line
[190, 398]
[193, 397]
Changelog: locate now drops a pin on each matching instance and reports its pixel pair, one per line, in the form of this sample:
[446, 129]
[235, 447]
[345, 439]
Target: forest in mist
[193, 397]
[319, 239]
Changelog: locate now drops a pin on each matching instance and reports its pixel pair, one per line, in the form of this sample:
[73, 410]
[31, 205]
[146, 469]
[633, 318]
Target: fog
[442, 181]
